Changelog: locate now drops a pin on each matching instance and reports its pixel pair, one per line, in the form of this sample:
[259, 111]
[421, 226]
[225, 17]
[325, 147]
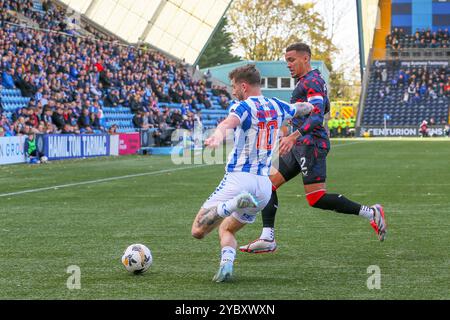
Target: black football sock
[338, 203]
[269, 212]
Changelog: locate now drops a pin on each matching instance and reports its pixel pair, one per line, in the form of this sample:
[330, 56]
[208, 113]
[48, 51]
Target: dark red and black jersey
[312, 88]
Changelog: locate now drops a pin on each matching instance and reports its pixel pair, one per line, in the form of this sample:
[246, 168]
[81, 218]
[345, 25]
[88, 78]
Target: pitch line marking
[347, 144]
[99, 180]
[121, 177]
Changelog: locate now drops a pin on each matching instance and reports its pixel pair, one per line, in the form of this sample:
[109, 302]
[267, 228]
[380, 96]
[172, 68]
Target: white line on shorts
[99, 180]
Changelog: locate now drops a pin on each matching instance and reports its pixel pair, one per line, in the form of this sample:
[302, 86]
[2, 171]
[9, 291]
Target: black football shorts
[306, 159]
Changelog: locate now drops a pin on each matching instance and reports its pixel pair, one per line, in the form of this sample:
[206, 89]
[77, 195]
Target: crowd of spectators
[223, 94]
[161, 123]
[70, 79]
[399, 39]
[415, 84]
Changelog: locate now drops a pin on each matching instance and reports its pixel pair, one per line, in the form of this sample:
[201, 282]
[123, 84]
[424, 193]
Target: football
[137, 258]
[44, 159]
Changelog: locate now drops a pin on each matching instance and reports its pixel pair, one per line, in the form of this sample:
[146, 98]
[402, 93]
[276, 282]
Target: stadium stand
[408, 78]
[403, 45]
[420, 39]
[48, 64]
[407, 95]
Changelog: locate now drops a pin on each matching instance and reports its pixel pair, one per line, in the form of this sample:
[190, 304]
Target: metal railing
[418, 54]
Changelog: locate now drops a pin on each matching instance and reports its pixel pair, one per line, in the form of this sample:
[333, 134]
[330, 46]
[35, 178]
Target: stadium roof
[180, 28]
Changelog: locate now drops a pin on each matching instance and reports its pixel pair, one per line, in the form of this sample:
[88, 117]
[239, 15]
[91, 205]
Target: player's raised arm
[219, 134]
[302, 108]
[298, 109]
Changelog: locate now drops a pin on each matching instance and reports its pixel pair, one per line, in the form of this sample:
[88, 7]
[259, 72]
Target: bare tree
[262, 29]
[345, 77]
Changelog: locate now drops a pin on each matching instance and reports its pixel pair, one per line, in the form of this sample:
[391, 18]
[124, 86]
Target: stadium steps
[12, 100]
[23, 19]
[120, 116]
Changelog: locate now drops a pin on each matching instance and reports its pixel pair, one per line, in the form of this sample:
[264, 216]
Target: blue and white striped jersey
[256, 137]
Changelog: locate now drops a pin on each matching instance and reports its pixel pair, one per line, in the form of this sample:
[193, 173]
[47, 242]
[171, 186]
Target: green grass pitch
[322, 254]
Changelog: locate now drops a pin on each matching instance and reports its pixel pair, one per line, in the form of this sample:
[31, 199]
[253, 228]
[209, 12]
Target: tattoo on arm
[208, 217]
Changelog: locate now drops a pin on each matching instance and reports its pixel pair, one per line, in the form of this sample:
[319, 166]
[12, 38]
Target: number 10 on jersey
[267, 133]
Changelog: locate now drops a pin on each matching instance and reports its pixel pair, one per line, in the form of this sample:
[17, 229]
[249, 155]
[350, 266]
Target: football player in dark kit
[305, 151]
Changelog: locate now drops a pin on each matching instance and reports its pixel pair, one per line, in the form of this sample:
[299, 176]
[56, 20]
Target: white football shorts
[232, 184]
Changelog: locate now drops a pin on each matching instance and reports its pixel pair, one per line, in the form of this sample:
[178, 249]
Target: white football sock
[366, 212]
[228, 254]
[267, 234]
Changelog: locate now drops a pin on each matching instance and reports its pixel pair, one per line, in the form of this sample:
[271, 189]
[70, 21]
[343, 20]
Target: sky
[346, 32]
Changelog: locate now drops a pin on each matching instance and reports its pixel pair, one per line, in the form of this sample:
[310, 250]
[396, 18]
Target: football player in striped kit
[305, 151]
[246, 188]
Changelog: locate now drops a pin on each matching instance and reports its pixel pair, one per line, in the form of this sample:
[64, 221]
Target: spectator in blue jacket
[85, 122]
[7, 79]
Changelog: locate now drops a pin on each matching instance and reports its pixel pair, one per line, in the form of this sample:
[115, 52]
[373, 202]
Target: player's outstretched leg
[337, 202]
[266, 242]
[227, 231]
